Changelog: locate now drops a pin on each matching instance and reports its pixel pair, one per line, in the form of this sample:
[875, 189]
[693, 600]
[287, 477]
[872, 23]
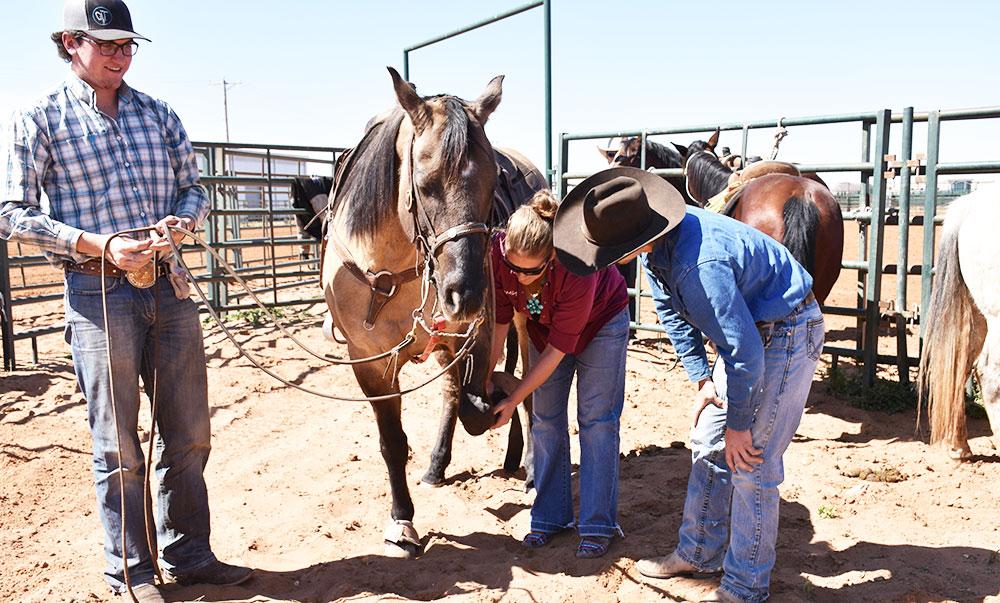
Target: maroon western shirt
[574, 308]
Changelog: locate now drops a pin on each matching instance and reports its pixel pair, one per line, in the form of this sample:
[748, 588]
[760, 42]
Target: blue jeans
[600, 395]
[143, 328]
[731, 519]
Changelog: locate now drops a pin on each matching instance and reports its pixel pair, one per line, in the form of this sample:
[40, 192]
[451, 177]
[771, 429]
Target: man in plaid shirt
[110, 158]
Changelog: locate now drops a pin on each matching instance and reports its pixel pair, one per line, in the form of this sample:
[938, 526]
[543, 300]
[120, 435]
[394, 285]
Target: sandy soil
[298, 490]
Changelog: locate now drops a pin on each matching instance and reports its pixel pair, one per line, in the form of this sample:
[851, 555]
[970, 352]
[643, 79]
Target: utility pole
[225, 102]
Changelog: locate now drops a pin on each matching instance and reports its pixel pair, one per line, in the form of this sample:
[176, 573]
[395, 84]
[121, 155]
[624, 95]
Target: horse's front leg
[441, 455]
[401, 539]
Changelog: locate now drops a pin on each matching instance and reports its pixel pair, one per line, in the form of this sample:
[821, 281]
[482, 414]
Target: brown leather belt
[93, 268]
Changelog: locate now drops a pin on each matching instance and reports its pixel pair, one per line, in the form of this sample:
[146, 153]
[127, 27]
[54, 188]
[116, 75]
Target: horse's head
[626, 155]
[704, 174]
[629, 154]
[447, 179]
[702, 146]
[310, 194]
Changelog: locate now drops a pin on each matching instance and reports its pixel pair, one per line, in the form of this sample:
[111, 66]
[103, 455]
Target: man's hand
[128, 253]
[158, 234]
[706, 395]
[740, 453]
[503, 411]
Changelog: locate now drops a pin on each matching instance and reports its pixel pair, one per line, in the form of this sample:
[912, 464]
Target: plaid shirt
[100, 175]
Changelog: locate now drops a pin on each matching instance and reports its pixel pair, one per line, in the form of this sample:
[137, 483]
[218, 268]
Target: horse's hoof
[529, 486]
[402, 550]
[960, 454]
[402, 540]
[427, 482]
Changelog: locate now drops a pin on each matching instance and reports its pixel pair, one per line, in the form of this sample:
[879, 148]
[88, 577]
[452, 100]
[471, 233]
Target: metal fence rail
[876, 167]
[252, 225]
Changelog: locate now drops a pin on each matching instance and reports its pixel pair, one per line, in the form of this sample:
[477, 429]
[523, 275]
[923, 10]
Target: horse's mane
[661, 155]
[369, 185]
[706, 176]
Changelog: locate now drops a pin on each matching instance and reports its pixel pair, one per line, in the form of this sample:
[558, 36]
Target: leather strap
[383, 284]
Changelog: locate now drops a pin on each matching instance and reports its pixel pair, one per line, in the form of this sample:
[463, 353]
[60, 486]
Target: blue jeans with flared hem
[141, 328]
[731, 518]
[600, 372]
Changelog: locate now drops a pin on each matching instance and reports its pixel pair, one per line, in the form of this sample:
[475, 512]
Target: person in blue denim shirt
[111, 158]
[713, 276]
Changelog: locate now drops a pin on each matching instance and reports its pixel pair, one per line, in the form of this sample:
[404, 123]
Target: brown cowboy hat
[610, 215]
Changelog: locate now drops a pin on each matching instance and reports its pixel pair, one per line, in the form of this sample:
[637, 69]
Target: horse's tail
[949, 348]
[801, 222]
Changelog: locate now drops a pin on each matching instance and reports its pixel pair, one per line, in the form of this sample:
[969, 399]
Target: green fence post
[903, 256]
[930, 210]
[875, 247]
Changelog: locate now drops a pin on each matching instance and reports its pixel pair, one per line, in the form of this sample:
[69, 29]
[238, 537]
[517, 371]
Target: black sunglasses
[528, 271]
[108, 49]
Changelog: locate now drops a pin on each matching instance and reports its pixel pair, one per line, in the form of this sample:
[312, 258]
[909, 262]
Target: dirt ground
[298, 490]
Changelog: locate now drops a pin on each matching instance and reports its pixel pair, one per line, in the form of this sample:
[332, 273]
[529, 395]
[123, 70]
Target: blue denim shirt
[718, 276]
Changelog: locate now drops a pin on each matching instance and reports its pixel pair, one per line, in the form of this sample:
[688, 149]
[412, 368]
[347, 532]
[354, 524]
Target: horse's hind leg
[441, 455]
[521, 326]
[988, 374]
[401, 539]
[515, 438]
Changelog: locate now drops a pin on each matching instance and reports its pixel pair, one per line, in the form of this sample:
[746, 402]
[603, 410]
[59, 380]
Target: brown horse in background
[798, 211]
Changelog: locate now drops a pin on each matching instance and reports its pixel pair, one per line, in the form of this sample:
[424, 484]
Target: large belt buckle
[142, 278]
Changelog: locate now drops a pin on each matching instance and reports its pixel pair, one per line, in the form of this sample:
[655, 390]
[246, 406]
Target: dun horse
[963, 321]
[406, 258]
[798, 211]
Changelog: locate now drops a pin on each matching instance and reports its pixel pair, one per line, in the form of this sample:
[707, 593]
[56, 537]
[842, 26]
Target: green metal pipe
[547, 9]
[476, 25]
[930, 208]
[904, 210]
[277, 147]
[875, 248]
[773, 123]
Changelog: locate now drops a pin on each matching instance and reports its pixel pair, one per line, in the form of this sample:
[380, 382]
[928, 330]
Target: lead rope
[147, 499]
[114, 412]
[778, 137]
[469, 333]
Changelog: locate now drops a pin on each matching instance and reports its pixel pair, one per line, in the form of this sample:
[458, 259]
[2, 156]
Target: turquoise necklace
[534, 301]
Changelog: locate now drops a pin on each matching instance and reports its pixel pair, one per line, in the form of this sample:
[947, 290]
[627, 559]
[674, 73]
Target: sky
[313, 73]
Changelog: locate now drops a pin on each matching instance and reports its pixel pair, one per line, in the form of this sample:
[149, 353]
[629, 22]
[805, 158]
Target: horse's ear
[487, 102]
[608, 154]
[714, 139]
[411, 102]
[681, 149]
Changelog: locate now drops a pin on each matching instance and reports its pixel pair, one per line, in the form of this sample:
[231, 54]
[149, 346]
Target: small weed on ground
[828, 512]
[884, 395]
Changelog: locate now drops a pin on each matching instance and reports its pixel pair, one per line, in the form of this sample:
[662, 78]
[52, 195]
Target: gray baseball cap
[101, 19]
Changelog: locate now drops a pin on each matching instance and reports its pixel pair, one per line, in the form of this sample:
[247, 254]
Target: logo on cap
[101, 15]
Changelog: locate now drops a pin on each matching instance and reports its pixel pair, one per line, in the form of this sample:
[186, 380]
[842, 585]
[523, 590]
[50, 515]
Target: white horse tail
[952, 341]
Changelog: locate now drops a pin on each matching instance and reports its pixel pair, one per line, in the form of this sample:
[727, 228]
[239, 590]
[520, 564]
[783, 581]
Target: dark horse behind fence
[406, 259]
[798, 211]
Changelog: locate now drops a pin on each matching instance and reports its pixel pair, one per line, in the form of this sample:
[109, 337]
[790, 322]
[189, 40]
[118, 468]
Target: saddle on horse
[724, 202]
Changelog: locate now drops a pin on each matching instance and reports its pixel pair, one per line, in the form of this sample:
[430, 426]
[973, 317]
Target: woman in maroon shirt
[577, 324]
